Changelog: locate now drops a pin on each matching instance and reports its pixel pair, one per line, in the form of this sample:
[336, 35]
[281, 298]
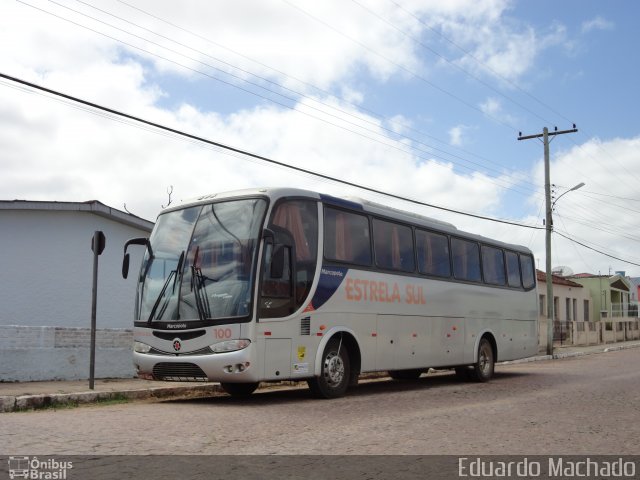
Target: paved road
[583, 405]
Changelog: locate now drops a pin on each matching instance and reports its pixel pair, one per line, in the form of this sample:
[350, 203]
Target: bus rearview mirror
[125, 266]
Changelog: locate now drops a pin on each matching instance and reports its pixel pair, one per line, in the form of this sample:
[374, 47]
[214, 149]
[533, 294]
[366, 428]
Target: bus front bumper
[232, 367]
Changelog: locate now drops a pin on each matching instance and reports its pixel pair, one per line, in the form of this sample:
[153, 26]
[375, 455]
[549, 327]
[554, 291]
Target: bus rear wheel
[483, 368]
[334, 372]
[239, 389]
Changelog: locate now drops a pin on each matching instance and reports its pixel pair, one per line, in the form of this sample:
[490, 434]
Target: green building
[610, 295]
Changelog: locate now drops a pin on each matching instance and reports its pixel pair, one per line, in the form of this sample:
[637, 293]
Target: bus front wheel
[482, 370]
[334, 372]
[239, 389]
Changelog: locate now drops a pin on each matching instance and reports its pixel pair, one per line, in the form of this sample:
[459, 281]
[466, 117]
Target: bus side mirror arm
[277, 262]
[126, 258]
[268, 235]
[277, 254]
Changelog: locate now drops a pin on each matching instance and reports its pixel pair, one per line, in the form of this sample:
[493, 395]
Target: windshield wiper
[200, 290]
[172, 275]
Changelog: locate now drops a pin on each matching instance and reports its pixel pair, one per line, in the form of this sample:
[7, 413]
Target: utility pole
[548, 224]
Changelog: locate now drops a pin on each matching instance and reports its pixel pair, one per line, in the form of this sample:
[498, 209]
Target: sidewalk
[17, 396]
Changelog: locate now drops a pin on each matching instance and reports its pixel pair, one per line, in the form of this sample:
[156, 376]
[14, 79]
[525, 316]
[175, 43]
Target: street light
[549, 275]
[580, 185]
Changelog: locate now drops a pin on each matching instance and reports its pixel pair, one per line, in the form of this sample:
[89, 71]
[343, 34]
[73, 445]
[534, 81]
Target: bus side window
[299, 218]
[513, 270]
[346, 237]
[528, 276]
[493, 265]
[393, 246]
[466, 260]
[433, 253]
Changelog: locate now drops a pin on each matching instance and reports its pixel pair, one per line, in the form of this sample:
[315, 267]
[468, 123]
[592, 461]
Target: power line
[628, 199]
[453, 64]
[373, 113]
[256, 156]
[481, 63]
[575, 247]
[596, 250]
[358, 107]
[601, 228]
[502, 183]
[513, 84]
[401, 67]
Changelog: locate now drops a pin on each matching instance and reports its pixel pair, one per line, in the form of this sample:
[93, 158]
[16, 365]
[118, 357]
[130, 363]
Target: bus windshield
[203, 263]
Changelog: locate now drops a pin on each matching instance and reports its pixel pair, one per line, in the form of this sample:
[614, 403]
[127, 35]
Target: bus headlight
[140, 347]
[230, 345]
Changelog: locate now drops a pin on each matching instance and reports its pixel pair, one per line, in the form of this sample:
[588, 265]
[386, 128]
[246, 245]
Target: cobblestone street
[583, 405]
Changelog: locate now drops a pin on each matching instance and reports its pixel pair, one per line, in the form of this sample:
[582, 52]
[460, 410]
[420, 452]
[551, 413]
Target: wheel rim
[333, 369]
[484, 360]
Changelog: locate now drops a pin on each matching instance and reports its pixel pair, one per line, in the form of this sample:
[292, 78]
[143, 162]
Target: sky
[423, 99]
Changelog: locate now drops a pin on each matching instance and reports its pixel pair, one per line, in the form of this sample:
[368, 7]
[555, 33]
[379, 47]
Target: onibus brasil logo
[33, 468]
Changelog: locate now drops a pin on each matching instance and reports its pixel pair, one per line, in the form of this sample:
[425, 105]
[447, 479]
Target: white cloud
[455, 135]
[493, 108]
[597, 23]
[494, 44]
[400, 124]
[87, 156]
[606, 220]
[52, 151]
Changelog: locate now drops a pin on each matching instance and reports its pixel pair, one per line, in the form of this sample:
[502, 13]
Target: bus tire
[411, 374]
[483, 368]
[334, 377]
[239, 389]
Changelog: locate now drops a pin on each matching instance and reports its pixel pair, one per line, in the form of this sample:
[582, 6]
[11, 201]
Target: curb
[31, 402]
[19, 403]
[621, 347]
[559, 356]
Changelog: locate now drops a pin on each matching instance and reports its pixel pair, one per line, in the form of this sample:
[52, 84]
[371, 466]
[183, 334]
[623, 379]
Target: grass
[115, 399]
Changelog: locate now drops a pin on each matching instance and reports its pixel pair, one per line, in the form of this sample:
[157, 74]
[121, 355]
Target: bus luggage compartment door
[402, 342]
[277, 358]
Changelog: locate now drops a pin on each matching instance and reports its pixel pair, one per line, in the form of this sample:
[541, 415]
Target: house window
[542, 305]
[556, 308]
[586, 310]
[575, 310]
[567, 302]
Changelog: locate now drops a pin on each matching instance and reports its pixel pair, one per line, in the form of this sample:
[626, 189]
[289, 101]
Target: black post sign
[98, 243]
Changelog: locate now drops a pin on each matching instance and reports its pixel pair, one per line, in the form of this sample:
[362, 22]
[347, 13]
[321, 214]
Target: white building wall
[47, 266]
[45, 295]
[564, 292]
